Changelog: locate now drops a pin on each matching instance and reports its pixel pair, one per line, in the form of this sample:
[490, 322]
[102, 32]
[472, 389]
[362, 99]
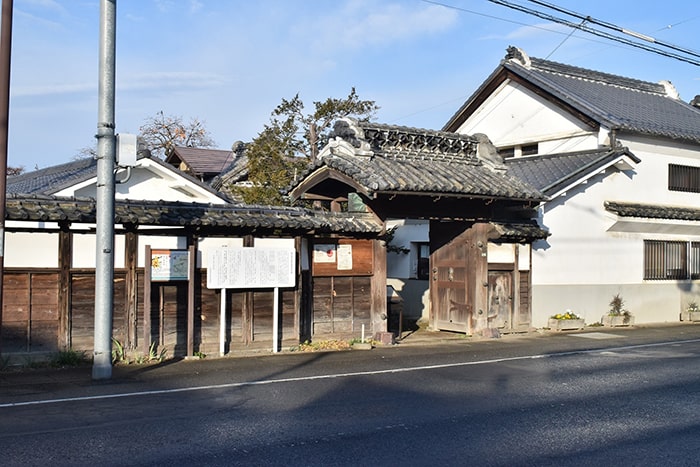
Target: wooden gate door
[500, 315]
[449, 274]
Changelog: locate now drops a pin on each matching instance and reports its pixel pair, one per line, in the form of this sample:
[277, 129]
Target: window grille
[683, 178]
[666, 259]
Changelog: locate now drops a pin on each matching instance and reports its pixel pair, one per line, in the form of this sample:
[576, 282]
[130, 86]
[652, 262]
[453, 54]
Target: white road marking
[596, 335]
[339, 375]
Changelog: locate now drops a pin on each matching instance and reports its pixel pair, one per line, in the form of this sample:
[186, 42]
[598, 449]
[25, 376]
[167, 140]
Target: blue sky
[230, 62]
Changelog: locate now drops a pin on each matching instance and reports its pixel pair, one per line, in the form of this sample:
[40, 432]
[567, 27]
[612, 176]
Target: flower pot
[566, 324]
[691, 316]
[616, 321]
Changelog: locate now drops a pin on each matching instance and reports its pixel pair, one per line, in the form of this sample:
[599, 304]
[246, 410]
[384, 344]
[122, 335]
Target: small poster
[169, 265]
[325, 253]
[344, 257]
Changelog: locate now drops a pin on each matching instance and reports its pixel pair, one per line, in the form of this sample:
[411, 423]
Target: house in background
[149, 178]
[203, 163]
[619, 159]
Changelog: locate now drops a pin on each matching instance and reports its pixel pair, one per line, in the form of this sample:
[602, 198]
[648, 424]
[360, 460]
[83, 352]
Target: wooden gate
[458, 275]
[448, 284]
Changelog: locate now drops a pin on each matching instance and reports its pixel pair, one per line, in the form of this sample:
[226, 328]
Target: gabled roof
[553, 173]
[52, 180]
[201, 162]
[177, 214]
[386, 159]
[615, 102]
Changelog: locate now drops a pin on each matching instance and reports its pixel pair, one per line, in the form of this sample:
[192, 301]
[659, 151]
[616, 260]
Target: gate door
[500, 314]
[449, 276]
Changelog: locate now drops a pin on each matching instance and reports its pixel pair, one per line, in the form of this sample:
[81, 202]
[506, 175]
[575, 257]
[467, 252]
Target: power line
[604, 34]
[616, 28]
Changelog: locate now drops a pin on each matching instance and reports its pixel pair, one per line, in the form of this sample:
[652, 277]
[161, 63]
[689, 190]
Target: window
[670, 260]
[421, 255]
[530, 150]
[683, 178]
[517, 151]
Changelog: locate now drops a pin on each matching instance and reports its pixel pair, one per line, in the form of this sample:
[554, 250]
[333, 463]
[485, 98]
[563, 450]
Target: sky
[229, 63]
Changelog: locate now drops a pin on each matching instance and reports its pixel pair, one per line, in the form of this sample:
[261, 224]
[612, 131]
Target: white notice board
[248, 268]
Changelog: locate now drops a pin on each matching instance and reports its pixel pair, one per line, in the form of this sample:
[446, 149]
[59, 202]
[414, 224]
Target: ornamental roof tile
[394, 159]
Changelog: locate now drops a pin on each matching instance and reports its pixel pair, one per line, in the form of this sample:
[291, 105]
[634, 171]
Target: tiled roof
[553, 172]
[203, 162]
[393, 159]
[617, 102]
[653, 211]
[231, 217]
[519, 232]
[52, 179]
[236, 171]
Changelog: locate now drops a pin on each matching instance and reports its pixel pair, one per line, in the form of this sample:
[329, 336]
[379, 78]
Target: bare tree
[162, 133]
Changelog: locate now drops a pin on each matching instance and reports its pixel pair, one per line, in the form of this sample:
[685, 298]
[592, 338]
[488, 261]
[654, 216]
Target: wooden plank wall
[341, 305]
[30, 311]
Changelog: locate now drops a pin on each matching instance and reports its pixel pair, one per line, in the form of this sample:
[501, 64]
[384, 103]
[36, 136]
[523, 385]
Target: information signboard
[169, 265]
[248, 268]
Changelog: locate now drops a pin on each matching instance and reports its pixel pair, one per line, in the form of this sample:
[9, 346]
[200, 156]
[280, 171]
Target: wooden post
[379, 310]
[130, 263]
[65, 259]
[479, 283]
[247, 311]
[190, 295]
[147, 301]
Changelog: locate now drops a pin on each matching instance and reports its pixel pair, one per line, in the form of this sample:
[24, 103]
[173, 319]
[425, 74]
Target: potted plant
[618, 315]
[691, 313]
[566, 321]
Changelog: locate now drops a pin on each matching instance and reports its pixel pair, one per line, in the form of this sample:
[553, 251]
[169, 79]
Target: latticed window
[668, 259]
[695, 260]
[683, 178]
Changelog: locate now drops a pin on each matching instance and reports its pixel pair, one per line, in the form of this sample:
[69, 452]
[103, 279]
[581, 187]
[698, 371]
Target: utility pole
[106, 156]
[5, 52]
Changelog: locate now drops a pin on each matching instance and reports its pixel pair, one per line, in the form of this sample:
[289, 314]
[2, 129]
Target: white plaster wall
[149, 181]
[513, 115]
[84, 251]
[31, 250]
[589, 257]
[400, 265]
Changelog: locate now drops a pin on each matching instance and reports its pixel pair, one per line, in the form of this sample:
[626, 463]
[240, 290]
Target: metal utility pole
[106, 156]
[5, 52]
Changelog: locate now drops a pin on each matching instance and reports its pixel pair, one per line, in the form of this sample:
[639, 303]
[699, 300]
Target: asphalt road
[597, 398]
